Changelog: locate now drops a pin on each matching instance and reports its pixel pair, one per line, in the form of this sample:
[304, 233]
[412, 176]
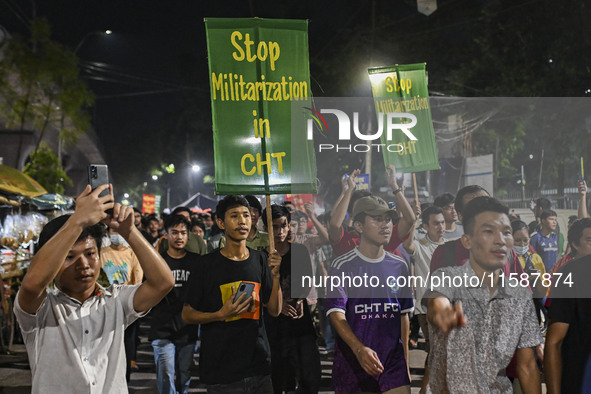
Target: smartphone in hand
[244, 288]
[98, 175]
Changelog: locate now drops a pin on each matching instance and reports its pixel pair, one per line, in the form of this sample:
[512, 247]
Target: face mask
[520, 250]
[117, 239]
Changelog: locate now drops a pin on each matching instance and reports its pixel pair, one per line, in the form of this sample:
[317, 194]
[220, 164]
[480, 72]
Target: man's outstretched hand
[445, 315]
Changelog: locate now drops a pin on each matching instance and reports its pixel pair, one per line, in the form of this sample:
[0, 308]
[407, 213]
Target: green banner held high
[401, 91]
[256, 68]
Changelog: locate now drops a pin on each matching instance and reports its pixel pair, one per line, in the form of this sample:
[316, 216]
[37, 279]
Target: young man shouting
[74, 332]
[371, 353]
[234, 348]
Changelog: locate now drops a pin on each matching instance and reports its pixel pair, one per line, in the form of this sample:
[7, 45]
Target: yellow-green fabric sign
[256, 68]
[401, 96]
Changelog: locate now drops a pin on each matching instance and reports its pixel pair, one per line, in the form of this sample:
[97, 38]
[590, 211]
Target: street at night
[295, 197]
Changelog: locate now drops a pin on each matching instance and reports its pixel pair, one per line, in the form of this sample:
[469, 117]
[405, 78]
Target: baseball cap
[372, 205]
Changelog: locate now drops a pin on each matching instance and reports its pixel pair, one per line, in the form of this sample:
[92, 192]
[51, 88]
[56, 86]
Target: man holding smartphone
[234, 349]
[79, 325]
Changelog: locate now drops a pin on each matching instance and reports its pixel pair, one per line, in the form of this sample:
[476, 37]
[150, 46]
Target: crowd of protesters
[214, 286]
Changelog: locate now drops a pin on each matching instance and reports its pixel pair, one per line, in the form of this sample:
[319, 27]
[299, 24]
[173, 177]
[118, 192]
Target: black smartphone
[98, 174]
[243, 288]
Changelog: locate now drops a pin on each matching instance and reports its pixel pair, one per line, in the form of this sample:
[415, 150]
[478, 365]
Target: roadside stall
[25, 207]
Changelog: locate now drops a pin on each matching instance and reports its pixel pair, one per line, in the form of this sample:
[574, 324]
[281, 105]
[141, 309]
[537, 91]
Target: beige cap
[373, 206]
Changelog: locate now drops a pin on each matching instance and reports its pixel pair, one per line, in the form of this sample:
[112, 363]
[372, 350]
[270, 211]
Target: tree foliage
[45, 168]
[40, 86]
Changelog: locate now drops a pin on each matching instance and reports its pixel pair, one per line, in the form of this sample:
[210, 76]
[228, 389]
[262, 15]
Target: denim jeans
[250, 385]
[171, 357]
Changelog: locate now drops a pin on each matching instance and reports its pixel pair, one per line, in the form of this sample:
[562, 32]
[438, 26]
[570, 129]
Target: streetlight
[195, 168]
[154, 177]
[92, 33]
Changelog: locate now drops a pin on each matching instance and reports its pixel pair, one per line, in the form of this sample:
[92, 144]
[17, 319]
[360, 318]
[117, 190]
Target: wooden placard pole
[270, 223]
[415, 189]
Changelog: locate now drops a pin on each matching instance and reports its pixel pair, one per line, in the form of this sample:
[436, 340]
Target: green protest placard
[256, 68]
[400, 94]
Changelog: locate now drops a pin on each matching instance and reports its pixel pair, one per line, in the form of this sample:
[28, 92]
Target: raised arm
[408, 216]
[340, 210]
[90, 209]
[322, 232]
[582, 213]
[159, 280]
[409, 243]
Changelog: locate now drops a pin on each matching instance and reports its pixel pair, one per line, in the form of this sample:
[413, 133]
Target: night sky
[155, 63]
[150, 77]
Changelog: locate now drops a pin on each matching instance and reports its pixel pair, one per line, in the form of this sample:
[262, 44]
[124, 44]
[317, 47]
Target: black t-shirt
[571, 304]
[291, 275]
[167, 322]
[237, 348]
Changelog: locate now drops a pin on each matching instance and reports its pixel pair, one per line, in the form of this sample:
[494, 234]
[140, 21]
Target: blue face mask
[520, 250]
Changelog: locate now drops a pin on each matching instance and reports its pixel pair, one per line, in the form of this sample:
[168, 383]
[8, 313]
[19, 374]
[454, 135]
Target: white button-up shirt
[78, 347]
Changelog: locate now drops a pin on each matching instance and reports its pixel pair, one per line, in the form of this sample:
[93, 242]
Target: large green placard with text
[256, 68]
[401, 90]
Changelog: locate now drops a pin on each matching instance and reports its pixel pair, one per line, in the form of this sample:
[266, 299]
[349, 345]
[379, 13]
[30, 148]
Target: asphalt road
[15, 375]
